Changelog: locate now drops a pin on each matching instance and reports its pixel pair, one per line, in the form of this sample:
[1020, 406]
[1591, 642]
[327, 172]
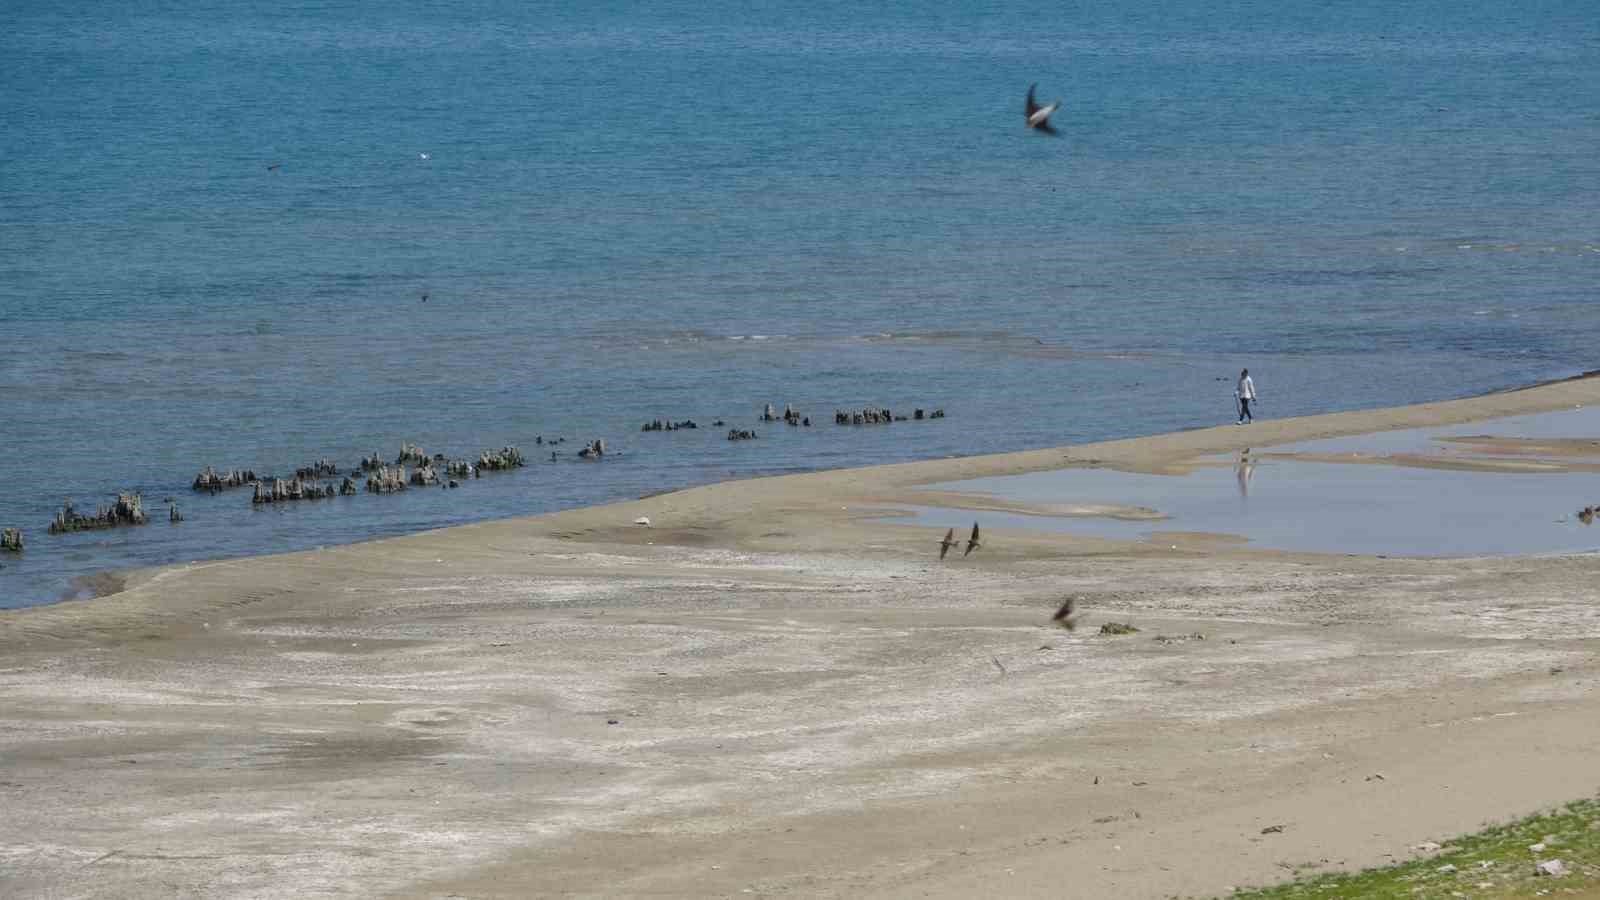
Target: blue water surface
[625, 211]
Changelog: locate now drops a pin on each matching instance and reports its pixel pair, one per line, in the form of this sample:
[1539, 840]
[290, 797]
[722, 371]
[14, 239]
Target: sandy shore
[772, 690]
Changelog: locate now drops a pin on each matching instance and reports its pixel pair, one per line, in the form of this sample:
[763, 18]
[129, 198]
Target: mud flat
[775, 689]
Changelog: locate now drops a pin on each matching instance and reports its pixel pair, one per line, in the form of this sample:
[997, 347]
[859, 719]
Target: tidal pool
[1329, 507]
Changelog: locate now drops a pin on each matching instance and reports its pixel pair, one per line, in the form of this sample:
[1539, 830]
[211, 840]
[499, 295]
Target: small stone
[1272, 829]
[1554, 868]
[612, 722]
[1376, 776]
[1536, 848]
[642, 520]
[1425, 847]
[1447, 868]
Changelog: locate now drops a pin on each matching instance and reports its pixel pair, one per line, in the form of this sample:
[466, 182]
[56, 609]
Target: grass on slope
[1498, 863]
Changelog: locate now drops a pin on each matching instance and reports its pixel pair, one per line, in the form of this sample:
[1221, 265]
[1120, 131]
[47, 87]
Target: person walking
[1244, 393]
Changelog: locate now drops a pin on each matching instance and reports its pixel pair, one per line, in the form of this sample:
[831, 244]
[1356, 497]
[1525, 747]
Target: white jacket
[1246, 389]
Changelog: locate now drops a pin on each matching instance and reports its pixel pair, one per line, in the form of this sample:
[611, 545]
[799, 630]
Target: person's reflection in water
[1244, 469]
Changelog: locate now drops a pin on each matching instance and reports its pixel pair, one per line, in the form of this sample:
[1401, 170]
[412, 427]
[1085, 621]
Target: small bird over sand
[972, 542]
[1039, 116]
[1063, 616]
[948, 542]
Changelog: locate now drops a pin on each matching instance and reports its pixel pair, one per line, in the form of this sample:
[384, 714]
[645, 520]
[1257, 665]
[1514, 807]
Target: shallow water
[687, 210]
[1329, 507]
[1578, 423]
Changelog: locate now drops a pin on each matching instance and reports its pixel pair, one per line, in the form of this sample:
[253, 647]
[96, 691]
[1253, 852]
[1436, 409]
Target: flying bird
[948, 542]
[972, 542]
[274, 167]
[1039, 116]
[1063, 616]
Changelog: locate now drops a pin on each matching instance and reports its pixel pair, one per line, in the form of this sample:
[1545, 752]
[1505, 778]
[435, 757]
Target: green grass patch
[1494, 864]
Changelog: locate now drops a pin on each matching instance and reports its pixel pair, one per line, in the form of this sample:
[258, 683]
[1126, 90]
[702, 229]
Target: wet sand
[776, 690]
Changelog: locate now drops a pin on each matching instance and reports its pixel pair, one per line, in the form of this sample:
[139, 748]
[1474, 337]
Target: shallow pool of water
[1328, 507]
[1578, 422]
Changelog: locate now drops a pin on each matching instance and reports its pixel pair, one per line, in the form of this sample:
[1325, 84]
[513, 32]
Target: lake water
[621, 212]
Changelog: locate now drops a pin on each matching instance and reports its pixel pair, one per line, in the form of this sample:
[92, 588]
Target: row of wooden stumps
[880, 416]
[667, 425]
[791, 416]
[870, 415]
[127, 510]
[382, 477]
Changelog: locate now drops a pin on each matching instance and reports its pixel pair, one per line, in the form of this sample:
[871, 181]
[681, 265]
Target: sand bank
[774, 691]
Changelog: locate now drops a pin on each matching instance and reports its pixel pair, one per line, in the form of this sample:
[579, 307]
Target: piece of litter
[642, 520]
[1532, 848]
[1447, 868]
[1485, 863]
